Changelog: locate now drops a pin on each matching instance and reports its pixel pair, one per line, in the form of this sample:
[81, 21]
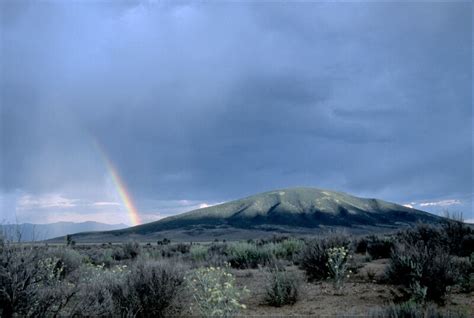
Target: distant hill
[36, 232]
[295, 210]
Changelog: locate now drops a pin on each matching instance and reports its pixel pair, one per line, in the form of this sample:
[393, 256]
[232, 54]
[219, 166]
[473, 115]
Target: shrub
[454, 237]
[314, 258]
[217, 254]
[68, 259]
[150, 288]
[379, 248]
[361, 245]
[146, 289]
[181, 248]
[215, 293]
[18, 279]
[408, 309]
[288, 249]
[467, 245]
[30, 283]
[423, 261]
[94, 297]
[70, 241]
[218, 248]
[175, 250]
[467, 274]
[100, 256]
[370, 274]
[248, 255]
[459, 238]
[164, 241]
[414, 310]
[416, 267]
[427, 235]
[130, 250]
[337, 265]
[198, 252]
[281, 288]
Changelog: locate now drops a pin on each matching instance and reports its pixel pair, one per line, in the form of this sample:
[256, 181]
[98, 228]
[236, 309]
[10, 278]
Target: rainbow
[120, 186]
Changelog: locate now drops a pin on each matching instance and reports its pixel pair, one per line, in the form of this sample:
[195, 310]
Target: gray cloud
[213, 101]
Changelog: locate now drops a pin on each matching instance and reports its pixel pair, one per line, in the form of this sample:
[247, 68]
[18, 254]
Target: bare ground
[358, 297]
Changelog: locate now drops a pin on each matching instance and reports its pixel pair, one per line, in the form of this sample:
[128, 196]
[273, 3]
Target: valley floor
[421, 272]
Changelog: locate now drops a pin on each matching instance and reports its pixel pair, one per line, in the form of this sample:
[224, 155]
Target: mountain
[295, 210]
[27, 232]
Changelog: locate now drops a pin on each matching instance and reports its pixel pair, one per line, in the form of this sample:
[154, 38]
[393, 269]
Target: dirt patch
[357, 297]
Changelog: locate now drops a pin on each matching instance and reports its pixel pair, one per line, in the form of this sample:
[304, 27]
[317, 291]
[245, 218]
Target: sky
[190, 104]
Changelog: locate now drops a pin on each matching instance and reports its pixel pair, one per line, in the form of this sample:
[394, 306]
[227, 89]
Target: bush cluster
[314, 257]
[128, 250]
[215, 293]
[147, 288]
[377, 247]
[31, 282]
[423, 263]
[288, 249]
[68, 260]
[244, 254]
[459, 238]
[199, 253]
[281, 287]
[456, 238]
[248, 255]
[150, 288]
[467, 273]
[38, 281]
[173, 250]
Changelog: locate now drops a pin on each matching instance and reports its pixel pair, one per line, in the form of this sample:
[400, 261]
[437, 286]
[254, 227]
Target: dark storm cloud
[212, 101]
